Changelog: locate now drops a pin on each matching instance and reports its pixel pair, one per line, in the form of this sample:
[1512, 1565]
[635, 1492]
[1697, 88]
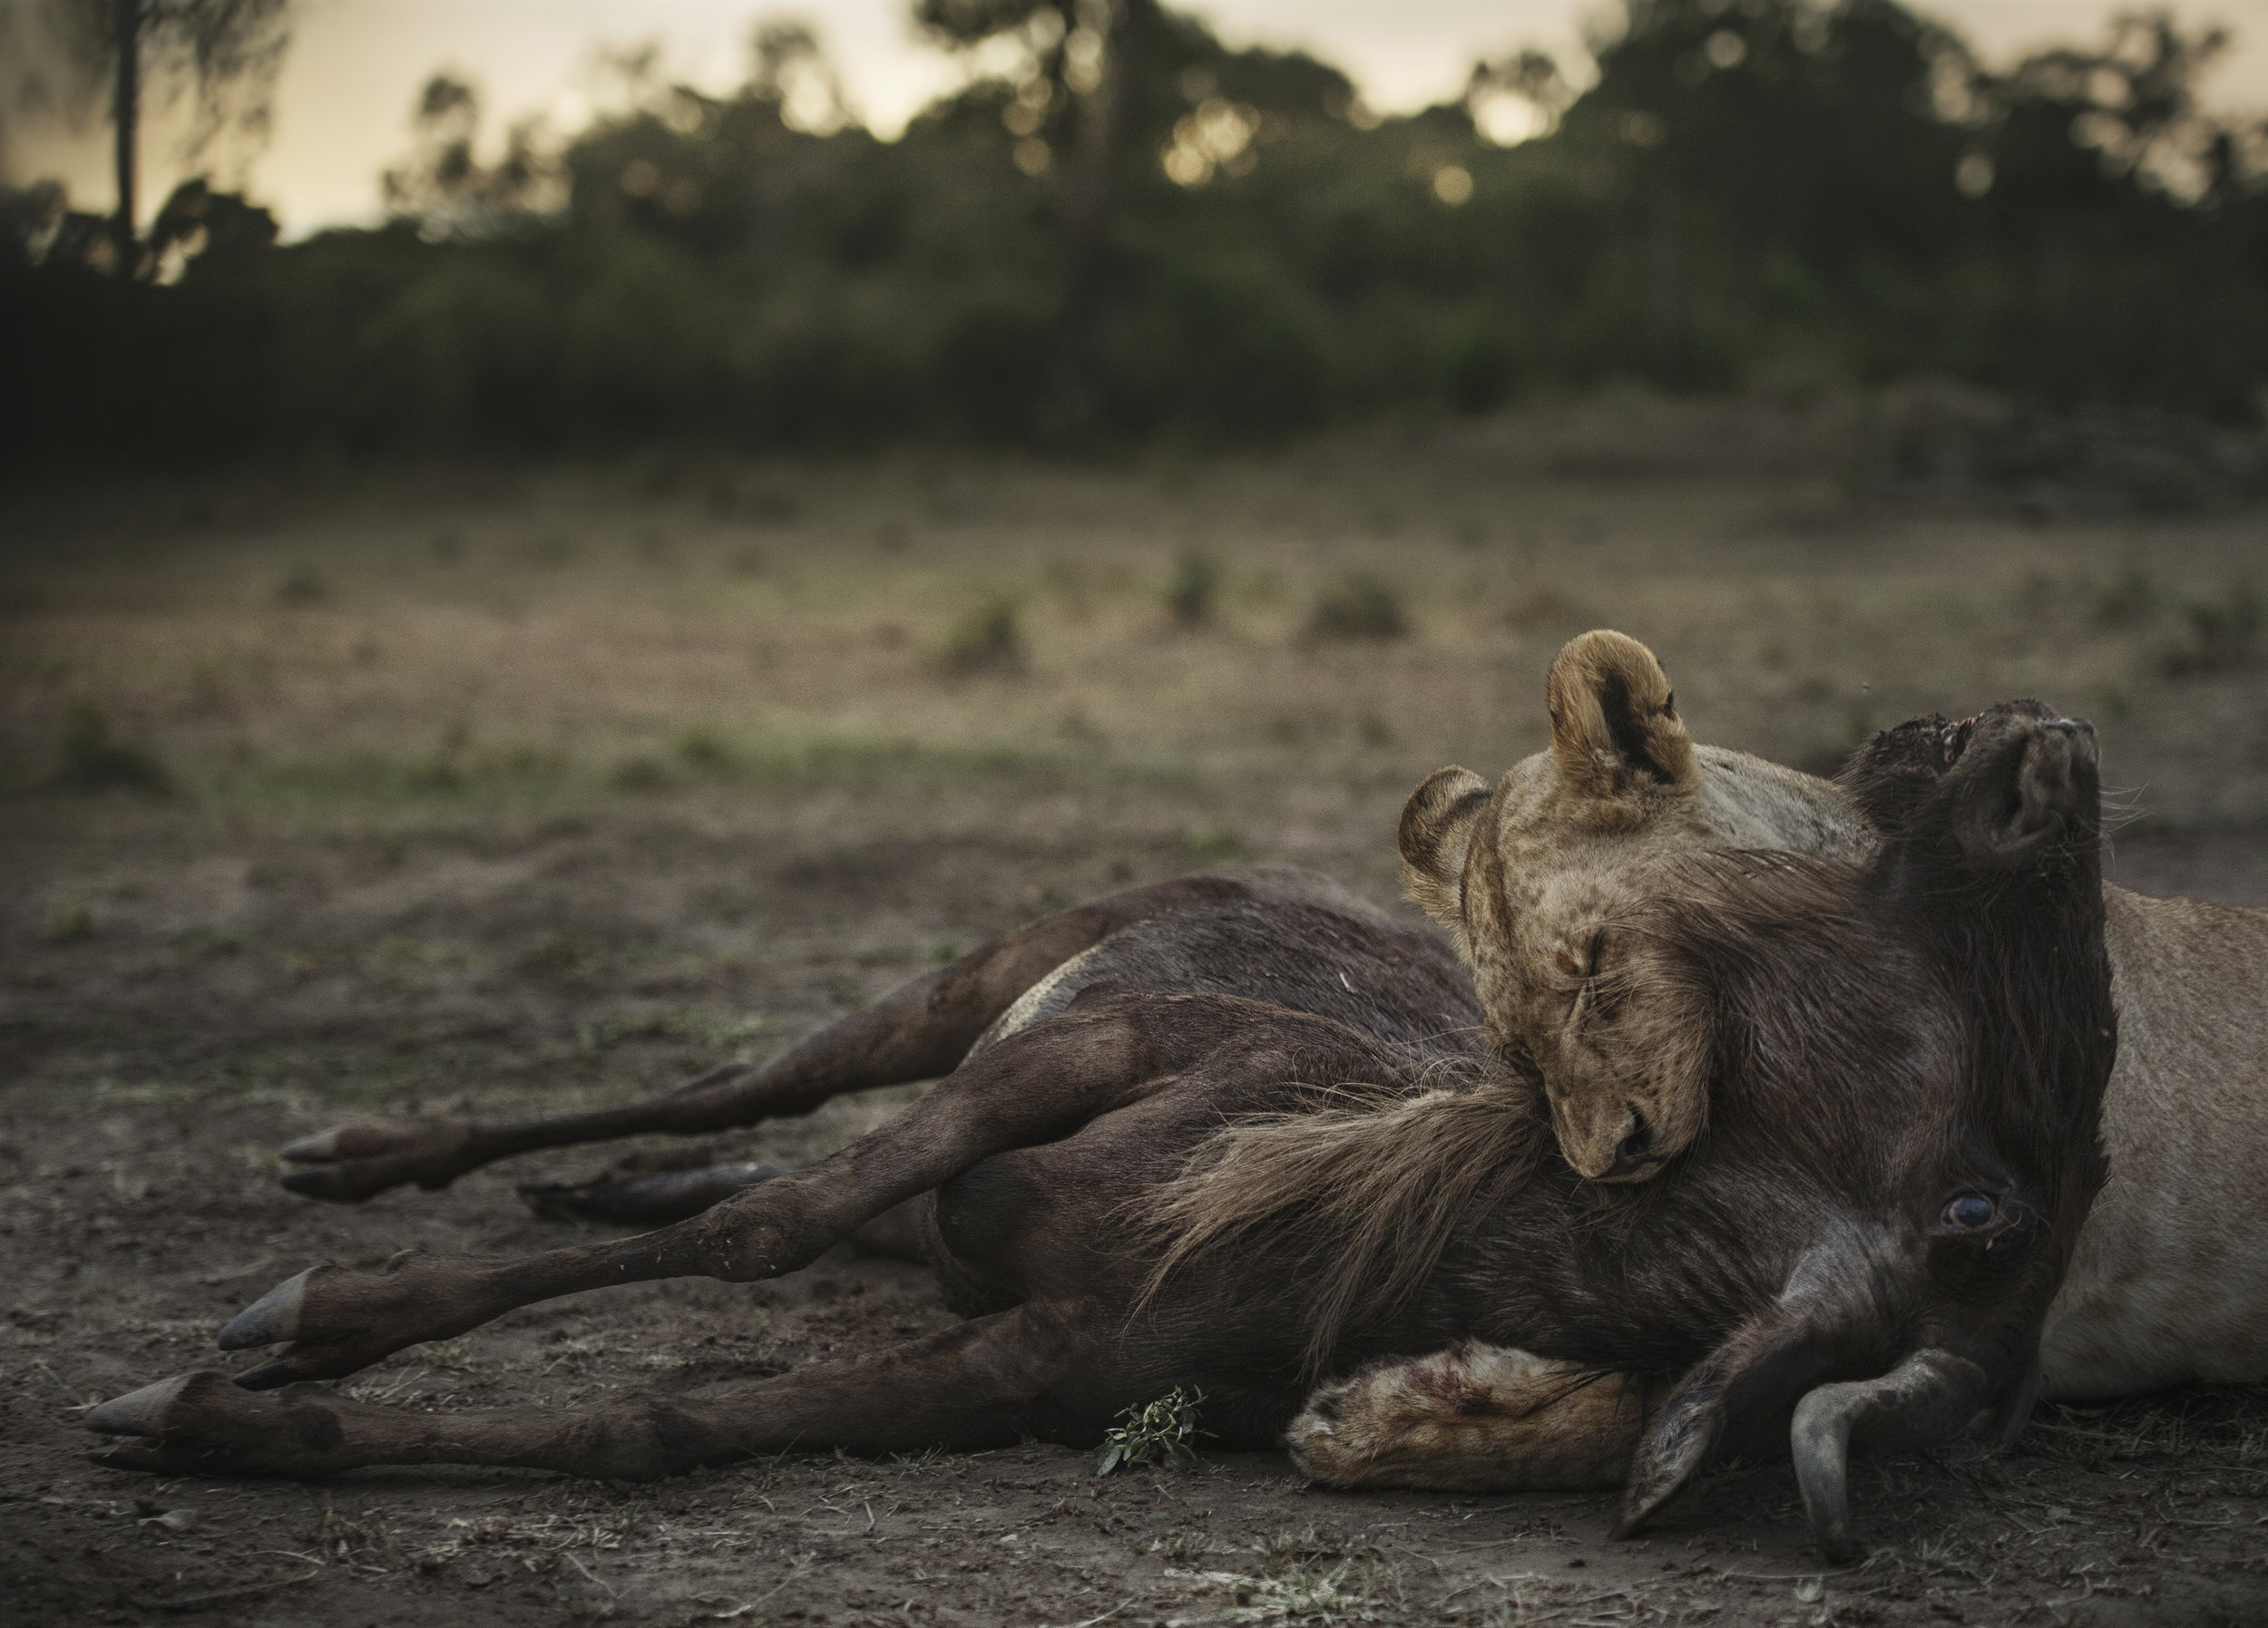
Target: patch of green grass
[1154, 1433]
[68, 923]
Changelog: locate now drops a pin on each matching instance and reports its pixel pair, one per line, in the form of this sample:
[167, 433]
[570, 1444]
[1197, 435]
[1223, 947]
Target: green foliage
[96, 758]
[1154, 1433]
[1837, 188]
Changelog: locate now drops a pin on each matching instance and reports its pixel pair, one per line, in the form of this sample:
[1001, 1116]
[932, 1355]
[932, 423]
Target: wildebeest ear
[1615, 728]
[1437, 826]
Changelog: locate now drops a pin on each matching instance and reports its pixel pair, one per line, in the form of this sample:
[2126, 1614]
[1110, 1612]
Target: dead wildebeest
[1237, 1144]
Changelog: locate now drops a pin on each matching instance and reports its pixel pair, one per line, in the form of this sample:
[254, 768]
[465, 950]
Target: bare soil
[520, 789]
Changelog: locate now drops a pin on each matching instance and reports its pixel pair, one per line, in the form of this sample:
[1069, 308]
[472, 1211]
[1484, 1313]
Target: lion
[1536, 878]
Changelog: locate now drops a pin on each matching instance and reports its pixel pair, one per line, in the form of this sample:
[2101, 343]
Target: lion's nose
[1632, 1148]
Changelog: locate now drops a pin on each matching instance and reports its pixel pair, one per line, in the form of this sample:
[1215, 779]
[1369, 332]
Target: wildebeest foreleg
[1034, 1087]
[921, 1030]
[985, 1383]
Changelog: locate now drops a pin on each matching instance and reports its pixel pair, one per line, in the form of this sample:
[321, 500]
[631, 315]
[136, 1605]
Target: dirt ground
[522, 788]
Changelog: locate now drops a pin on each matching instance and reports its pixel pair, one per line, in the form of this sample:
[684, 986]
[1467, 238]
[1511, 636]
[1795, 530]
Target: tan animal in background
[2169, 1283]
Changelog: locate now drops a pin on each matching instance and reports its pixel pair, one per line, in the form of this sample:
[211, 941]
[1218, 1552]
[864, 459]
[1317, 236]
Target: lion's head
[1536, 877]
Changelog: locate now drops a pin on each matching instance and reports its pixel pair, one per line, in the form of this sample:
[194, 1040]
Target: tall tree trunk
[126, 120]
[1082, 201]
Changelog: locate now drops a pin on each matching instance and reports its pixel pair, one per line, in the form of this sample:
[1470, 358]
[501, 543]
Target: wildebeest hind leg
[1035, 1087]
[921, 1030]
[675, 1194]
[986, 1383]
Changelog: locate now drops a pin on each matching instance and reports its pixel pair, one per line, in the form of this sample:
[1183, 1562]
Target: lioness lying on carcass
[1537, 877]
[1235, 1132]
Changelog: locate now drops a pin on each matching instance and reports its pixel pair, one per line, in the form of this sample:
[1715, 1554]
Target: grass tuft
[96, 758]
[1358, 606]
[987, 642]
[1194, 594]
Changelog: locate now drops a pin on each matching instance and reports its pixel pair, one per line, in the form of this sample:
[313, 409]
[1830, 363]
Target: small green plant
[1153, 1433]
[1358, 605]
[68, 923]
[1193, 596]
[95, 759]
[988, 640]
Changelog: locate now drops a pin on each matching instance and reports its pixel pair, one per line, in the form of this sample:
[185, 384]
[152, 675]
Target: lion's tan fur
[1474, 1419]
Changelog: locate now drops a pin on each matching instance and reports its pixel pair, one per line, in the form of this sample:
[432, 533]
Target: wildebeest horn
[1926, 1398]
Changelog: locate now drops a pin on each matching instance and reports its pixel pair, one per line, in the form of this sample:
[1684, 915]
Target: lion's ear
[1614, 730]
[1437, 826]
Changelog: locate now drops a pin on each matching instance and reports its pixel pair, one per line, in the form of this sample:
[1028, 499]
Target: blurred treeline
[1135, 234]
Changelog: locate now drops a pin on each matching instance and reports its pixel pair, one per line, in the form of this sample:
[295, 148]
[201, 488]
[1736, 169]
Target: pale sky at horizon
[343, 103]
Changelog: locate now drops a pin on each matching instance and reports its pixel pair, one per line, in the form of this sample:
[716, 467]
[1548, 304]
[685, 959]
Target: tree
[1074, 89]
[228, 52]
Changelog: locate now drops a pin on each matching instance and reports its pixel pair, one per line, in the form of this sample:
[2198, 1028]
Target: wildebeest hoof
[138, 1412]
[355, 1162]
[202, 1424]
[332, 1321]
[272, 1318]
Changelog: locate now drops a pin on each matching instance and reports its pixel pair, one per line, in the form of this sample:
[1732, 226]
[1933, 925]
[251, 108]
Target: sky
[342, 105]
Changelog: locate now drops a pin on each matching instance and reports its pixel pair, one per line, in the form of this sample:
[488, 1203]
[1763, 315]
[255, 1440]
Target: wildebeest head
[1922, 1046]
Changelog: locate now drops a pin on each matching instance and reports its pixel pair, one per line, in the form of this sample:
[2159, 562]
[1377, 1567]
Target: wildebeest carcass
[1235, 1134]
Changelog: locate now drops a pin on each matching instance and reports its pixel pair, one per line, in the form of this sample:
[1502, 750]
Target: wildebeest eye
[1970, 1211]
[1953, 740]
